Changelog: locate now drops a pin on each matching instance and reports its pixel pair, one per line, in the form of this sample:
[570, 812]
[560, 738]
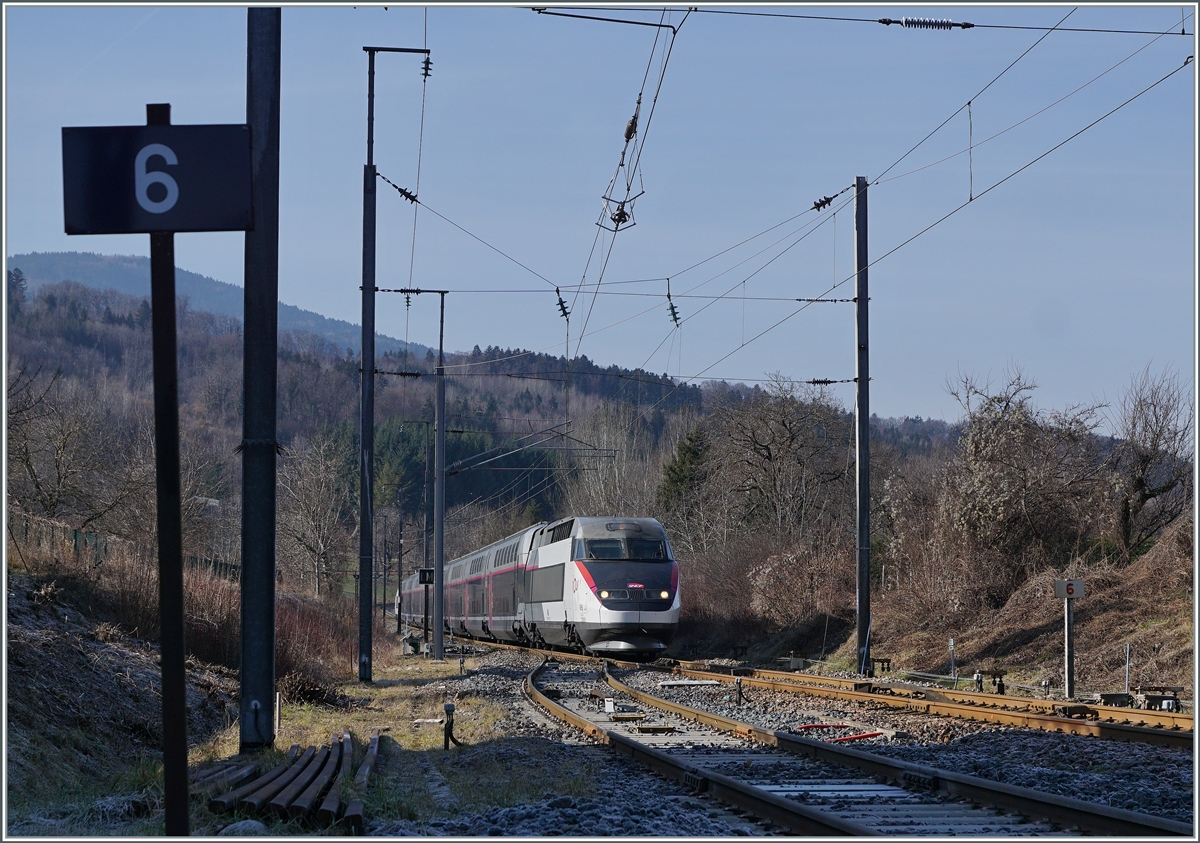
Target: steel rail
[1134, 716]
[1139, 726]
[788, 813]
[1100, 819]
[1112, 731]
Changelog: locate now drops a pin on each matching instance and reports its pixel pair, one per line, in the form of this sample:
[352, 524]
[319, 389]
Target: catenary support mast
[862, 429]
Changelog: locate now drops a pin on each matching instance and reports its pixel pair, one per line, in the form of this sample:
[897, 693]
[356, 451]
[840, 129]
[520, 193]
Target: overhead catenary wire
[425, 73]
[913, 22]
[1024, 167]
[937, 222]
[739, 283]
[958, 111]
[411, 197]
[637, 138]
[873, 262]
[1021, 122]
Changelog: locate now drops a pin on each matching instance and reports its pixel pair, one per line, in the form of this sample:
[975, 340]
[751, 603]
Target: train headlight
[604, 595]
[664, 594]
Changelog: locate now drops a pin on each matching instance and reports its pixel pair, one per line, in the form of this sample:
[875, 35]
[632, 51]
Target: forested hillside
[130, 274]
[756, 485]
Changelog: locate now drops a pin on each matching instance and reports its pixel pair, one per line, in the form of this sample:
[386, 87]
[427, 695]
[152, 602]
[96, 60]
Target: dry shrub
[317, 639]
[802, 583]
[1147, 605]
[297, 688]
[313, 640]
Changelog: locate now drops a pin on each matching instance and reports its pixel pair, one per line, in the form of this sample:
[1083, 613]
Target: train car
[601, 585]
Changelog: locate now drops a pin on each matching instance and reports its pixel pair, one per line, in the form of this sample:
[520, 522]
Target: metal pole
[367, 416]
[399, 577]
[427, 521]
[862, 429]
[366, 556]
[383, 578]
[1127, 648]
[439, 496]
[259, 378]
[427, 501]
[170, 528]
[1069, 682]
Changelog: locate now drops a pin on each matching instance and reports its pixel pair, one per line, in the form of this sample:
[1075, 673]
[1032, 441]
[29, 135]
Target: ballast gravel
[624, 807]
[1134, 776]
[631, 801]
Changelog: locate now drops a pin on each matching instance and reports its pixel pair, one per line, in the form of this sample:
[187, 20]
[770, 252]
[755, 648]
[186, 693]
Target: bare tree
[785, 457]
[1025, 483]
[1153, 420]
[69, 457]
[314, 503]
[622, 473]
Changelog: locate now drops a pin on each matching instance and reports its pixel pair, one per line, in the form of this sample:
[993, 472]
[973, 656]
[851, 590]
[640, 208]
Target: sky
[1080, 268]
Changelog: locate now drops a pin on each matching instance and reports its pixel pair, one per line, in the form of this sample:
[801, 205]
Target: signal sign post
[1069, 590]
[159, 179]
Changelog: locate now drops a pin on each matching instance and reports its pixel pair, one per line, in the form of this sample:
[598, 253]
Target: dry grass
[77, 624]
[414, 777]
[1148, 604]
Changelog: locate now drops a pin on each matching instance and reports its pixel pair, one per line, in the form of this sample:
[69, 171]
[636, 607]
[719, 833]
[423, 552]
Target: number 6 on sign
[1068, 588]
[142, 179]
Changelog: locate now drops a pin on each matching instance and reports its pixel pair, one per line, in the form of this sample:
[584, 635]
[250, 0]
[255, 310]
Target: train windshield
[640, 550]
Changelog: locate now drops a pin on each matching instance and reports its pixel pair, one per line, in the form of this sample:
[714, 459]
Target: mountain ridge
[130, 274]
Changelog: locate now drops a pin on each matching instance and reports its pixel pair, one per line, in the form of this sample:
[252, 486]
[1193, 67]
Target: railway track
[1125, 724]
[810, 787]
[1167, 729]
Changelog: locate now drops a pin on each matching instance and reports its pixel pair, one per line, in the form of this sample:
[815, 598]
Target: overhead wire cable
[640, 136]
[1145, 90]
[960, 108]
[724, 295]
[412, 255]
[932, 225]
[725, 273]
[412, 198]
[665, 339]
[1031, 116]
[914, 22]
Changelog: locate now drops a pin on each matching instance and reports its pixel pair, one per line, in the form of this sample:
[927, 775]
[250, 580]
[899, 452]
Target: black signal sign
[138, 179]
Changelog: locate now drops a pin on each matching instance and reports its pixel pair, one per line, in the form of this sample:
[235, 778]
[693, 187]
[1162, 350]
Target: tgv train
[604, 585]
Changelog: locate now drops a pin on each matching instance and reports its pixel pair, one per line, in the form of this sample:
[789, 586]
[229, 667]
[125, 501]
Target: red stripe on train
[587, 577]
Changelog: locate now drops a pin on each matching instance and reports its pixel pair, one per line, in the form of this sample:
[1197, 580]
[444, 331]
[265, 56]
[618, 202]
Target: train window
[647, 549]
[604, 549]
[641, 550]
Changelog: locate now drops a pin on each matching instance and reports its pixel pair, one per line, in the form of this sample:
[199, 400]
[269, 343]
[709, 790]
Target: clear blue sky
[1081, 268]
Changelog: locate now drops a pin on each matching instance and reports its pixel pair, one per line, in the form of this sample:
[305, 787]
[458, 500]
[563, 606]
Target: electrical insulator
[674, 313]
[926, 23]
[407, 300]
[562, 305]
[426, 67]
